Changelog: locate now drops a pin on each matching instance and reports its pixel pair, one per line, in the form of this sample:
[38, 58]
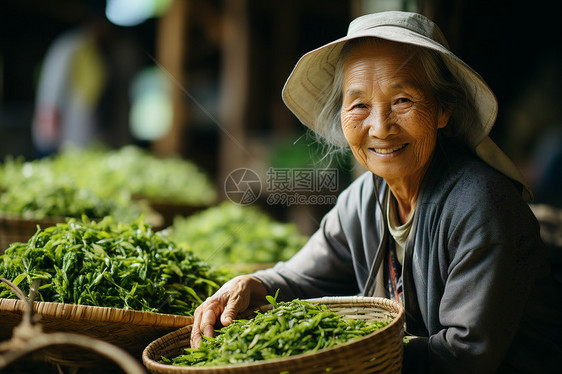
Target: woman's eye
[403, 100]
[359, 106]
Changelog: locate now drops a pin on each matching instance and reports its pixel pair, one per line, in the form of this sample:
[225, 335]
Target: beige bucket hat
[314, 72]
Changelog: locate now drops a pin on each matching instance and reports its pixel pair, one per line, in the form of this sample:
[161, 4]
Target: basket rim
[76, 312]
[396, 323]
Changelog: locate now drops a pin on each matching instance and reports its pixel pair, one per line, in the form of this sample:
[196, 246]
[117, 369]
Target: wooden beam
[171, 47]
[285, 43]
[233, 101]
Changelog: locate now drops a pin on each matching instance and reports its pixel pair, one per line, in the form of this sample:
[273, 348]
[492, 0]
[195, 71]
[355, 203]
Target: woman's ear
[443, 117]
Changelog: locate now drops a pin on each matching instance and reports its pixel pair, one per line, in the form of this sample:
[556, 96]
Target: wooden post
[233, 100]
[285, 40]
[171, 47]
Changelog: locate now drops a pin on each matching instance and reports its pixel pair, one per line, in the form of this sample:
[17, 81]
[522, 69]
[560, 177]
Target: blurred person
[83, 89]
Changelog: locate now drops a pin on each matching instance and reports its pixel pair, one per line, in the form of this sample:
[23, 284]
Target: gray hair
[449, 94]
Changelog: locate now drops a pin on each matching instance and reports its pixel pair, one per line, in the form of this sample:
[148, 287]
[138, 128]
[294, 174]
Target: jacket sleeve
[322, 267]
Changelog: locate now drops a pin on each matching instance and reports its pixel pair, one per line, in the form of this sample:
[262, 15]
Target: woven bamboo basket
[127, 329]
[18, 229]
[379, 352]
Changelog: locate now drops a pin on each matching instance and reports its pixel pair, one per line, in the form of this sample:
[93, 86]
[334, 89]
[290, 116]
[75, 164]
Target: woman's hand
[235, 296]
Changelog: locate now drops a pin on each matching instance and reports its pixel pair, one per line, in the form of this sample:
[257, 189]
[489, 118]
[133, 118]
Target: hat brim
[314, 73]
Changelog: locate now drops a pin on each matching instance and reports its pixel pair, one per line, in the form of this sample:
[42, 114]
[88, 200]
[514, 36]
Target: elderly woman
[438, 222]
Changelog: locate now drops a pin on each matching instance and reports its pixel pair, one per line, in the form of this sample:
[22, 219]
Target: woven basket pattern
[128, 329]
[379, 352]
[14, 229]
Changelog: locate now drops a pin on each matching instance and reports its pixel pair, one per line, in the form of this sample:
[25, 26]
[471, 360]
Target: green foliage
[78, 181]
[290, 328]
[234, 234]
[37, 200]
[109, 264]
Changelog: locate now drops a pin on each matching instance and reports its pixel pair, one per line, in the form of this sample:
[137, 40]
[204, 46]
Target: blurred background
[202, 79]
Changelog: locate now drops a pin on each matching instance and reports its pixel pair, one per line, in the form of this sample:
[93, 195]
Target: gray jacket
[474, 272]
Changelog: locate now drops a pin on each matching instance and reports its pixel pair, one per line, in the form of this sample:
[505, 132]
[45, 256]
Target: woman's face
[389, 114]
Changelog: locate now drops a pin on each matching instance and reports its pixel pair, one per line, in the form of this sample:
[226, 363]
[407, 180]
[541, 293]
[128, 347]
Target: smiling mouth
[389, 150]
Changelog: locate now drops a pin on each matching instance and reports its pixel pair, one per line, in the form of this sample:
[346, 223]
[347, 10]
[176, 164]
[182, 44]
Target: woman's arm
[316, 270]
[322, 267]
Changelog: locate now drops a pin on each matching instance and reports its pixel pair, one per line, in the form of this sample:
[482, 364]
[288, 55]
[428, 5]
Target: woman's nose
[380, 123]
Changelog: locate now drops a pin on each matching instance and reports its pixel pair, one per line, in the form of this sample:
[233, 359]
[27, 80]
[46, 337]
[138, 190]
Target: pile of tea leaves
[109, 264]
[230, 233]
[110, 173]
[290, 328]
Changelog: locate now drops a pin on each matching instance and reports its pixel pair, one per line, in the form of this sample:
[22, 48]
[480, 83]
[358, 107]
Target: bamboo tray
[127, 329]
[379, 352]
